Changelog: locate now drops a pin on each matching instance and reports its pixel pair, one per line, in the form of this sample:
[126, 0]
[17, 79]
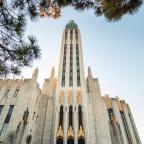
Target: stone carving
[25, 117]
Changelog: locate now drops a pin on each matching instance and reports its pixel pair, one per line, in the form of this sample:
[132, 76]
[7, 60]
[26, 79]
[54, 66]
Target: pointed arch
[60, 134]
[70, 136]
[79, 97]
[61, 100]
[61, 116]
[70, 116]
[70, 97]
[81, 133]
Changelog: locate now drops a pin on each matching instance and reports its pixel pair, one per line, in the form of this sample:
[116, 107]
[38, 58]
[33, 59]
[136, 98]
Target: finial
[52, 72]
[71, 21]
[89, 72]
[35, 74]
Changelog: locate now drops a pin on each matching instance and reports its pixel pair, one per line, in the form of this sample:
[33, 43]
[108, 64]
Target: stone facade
[68, 109]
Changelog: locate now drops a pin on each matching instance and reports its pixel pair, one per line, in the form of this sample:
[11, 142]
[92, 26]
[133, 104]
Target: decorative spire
[60, 133]
[52, 72]
[89, 72]
[35, 74]
[81, 133]
[52, 80]
[70, 132]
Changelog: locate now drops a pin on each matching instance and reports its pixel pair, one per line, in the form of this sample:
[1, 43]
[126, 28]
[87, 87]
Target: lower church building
[68, 109]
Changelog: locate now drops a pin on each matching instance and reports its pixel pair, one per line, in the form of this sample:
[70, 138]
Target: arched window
[80, 115]
[81, 135]
[61, 116]
[81, 141]
[70, 141]
[59, 141]
[70, 116]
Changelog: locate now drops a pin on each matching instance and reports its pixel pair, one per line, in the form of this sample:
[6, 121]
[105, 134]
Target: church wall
[26, 97]
[101, 115]
[119, 120]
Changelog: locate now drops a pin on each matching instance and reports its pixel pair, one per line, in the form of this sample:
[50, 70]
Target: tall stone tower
[68, 109]
[71, 122]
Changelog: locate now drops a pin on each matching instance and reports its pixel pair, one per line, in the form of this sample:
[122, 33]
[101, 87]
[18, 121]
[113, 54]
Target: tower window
[77, 47]
[78, 66]
[77, 59]
[76, 34]
[64, 66]
[64, 52]
[16, 93]
[71, 66]
[1, 108]
[6, 122]
[6, 93]
[126, 127]
[111, 114]
[61, 116]
[71, 34]
[66, 35]
[80, 115]
[78, 81]
[70, 116]
[134, 130]
[63, 81]
[71, 81]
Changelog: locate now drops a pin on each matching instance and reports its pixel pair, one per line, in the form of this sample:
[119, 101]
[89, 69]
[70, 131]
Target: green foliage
[113, 10]
[15, 51]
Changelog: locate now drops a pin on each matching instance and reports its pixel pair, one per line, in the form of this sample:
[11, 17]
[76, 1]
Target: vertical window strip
[16, 93]
[61, 116]
[70, 116]
[111, 114]
[76, 34]
[126, 127]
[133, 127]
[78, 66]
[71, 66]
[59, 140]
[1, 108]
[80, 115]
[64, 66]
[71, 35]
[8, 117]
[66, 35]
[6, 93]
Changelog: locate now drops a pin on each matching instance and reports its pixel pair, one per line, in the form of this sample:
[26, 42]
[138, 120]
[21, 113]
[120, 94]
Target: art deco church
[68, 109]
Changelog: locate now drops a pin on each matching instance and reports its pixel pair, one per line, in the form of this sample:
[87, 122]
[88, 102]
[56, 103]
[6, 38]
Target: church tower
[71, 103]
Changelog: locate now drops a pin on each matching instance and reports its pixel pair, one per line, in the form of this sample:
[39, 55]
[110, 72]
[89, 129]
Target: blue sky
[115, 52]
